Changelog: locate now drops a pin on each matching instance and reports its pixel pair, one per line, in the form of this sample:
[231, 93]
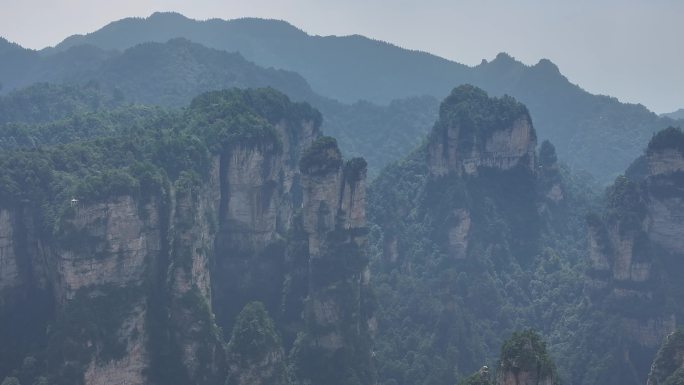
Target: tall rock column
[335, 346]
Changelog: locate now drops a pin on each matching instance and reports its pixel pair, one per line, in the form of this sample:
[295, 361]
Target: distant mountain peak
[167, 15]
[679, 114]
[504, 57]
[547, 65]
[6, 45]
[504, 60]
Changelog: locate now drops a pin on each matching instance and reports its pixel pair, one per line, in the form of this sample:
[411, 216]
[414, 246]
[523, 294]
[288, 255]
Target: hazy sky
[631, 49]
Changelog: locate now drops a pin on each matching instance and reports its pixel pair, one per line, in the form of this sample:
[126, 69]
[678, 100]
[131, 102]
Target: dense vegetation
[670, 138]
[476, 116]
[595, 133]
[142, 161]
[444, 305]
[446, 309]
[171, 74]
[526, 351]
[43, 102]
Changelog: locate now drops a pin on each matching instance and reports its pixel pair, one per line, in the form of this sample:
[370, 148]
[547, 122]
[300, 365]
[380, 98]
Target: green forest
[209, 208]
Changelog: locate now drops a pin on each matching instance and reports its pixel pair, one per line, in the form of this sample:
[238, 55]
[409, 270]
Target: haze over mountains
[173, 212]
[679, 114]
[593, 133]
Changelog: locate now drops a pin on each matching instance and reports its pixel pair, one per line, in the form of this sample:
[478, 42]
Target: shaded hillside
[169, 73]
[172, 73]
[345, 68]
[592, 132]
[43, 102]
[679, 114]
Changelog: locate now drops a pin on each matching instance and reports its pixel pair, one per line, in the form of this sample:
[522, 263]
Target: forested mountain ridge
[152, 232]
[171, 73]
[44, 102]
[344, 68]
[115, 252]
[679, 114]
[168, 73]
[584, 127]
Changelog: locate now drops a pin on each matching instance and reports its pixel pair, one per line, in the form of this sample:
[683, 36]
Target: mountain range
[156, 231]
[679, 114]
[594, 133]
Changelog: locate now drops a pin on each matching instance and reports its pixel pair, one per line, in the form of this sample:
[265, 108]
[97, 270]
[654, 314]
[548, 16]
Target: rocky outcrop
[642, 229]
[9, 271]
[665, 214]
[194, 226]
[108, 243]
[337, 318]
[258, 183]
[668, 365]
[256, 356]
[665, 161]
[524, 361]
[131, 367]
[624, 274]
[635, 249]
[523, 378]
[459, 232]
[468, 136]
[144, 275]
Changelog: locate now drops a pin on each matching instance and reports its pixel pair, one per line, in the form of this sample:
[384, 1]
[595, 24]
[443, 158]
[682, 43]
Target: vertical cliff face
[194, 225]
[261, 193]
[109, 243]
[153, 258]
[474, 131]
[9, 271]
[635, 248]
[476, 134]
[336, 313]
[107, 250]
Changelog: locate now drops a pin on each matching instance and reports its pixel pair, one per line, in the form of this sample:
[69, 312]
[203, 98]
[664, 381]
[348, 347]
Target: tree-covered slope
[592, 132]
[43, 102]
[679, 114]
[172, 73]
[474, 236]
[344, 68]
